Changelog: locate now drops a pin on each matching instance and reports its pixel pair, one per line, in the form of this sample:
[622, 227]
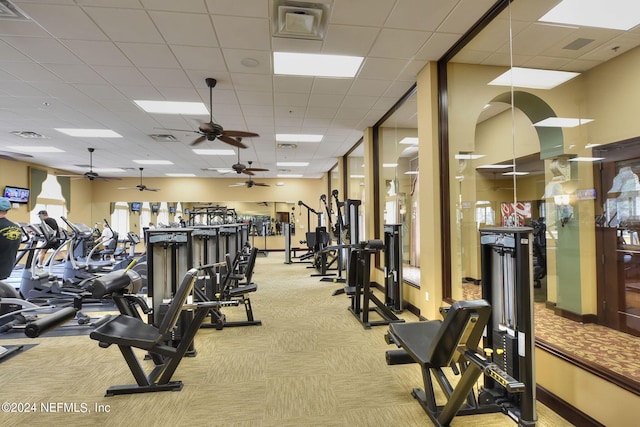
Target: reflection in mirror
[355, 186]
[266, 218]
[399, 198]
[520, 154]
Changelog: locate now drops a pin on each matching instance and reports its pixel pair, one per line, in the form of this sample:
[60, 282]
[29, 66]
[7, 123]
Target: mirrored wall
[399, 192]
[548, 157]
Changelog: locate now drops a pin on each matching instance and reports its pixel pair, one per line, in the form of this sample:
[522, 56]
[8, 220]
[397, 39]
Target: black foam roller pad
[40, 326]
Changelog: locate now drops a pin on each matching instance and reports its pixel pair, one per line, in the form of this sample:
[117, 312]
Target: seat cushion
[129, 331]
[416, 338]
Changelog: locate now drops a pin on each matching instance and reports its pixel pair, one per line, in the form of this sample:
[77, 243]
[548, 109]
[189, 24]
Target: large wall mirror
[398, 166]
[532, 156]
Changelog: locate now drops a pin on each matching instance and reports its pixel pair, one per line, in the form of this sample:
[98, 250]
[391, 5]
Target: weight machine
[360, 289]
[507, 285]
[169, 258]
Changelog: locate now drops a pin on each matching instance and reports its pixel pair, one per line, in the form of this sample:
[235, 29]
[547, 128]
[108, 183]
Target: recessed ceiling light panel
[173, 107]
[613, 14]
[532, 78]
[561, 122]
[89, 133]
[153, 162]
[317, 65]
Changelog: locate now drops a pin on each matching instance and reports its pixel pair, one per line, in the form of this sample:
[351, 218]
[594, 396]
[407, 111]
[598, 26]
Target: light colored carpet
[311, 363]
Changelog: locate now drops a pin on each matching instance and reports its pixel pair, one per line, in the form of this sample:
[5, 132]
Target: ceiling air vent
[27, 134]
[163, 137]
[578, 44]
[10, 12]
[286, 146]
[300, 20]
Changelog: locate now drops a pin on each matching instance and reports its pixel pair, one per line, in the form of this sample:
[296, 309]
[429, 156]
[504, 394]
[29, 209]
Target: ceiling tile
[248, 61]
[420, 14]
[185, 28]
[199, 58]
[349, 40]
[149, 55]
[393, 43]
[242, 33]
[167, 77]
[124, 76]
[43, 50]
[98, 53]
[252, 8]
[361, 12]
[196, 6]
[56, 19]
[125, 25]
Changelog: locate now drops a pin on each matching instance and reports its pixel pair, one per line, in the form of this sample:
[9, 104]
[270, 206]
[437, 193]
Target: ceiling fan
[141, 186]
[242, 168]
[91, 175]
[211, 131]
[250, 183]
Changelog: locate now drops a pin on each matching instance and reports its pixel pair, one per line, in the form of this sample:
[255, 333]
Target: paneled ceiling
[81, 63]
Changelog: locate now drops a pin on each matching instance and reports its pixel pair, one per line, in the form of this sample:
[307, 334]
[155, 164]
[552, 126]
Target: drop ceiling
[82, 63]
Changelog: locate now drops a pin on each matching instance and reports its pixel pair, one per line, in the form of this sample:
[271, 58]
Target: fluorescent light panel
[467, 156]
[89, 133]
[389, 165]
[411, 173]
[356, 176]
[586, 159]
[613, 14]
[516, 173]
[35, 149]
[532, 78]
[409, 140]
[561, 122]
[173, 107]
[293, 137]
[494, 166]
[153, 162]
[290, 175]
[214, 152]
[317, 65]
[292, 164]
[180, 175]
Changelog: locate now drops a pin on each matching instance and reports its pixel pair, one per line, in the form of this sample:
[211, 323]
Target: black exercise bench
[128, 332]
[437, 344]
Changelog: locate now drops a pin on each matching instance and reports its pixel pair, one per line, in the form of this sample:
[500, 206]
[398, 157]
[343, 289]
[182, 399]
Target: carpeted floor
[588, 342]
[311, 363]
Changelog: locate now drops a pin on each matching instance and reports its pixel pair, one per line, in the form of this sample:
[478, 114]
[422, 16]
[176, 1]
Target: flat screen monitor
[187, 211]
[136, 206]
[155, 208]
[16, 194]
[172, 209]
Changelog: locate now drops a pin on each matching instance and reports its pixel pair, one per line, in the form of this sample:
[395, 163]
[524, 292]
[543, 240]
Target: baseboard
[564, 409]
[576, 317]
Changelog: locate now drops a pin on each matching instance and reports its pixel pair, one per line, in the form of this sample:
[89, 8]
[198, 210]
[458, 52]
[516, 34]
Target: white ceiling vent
[286, 146]
[162, 137]
[9, 11]
[28, 134]
[300, 20]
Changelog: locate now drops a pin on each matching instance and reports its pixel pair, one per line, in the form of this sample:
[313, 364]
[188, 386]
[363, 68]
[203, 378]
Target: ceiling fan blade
[257, 170]
[104, 178]
[231, 141]
[151, 189]
[199, 140]
[240, 133]
[240, 184]
[127, 188]
[10, 155]
[260, 184]
[247, 172]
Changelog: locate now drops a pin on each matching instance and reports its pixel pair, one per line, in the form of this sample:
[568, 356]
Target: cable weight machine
[509, 342]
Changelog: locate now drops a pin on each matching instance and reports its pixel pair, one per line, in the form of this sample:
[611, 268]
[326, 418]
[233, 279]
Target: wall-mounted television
[187, 211]
[16, 194]
[136, 206]
[155, 208]
[172, 209]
